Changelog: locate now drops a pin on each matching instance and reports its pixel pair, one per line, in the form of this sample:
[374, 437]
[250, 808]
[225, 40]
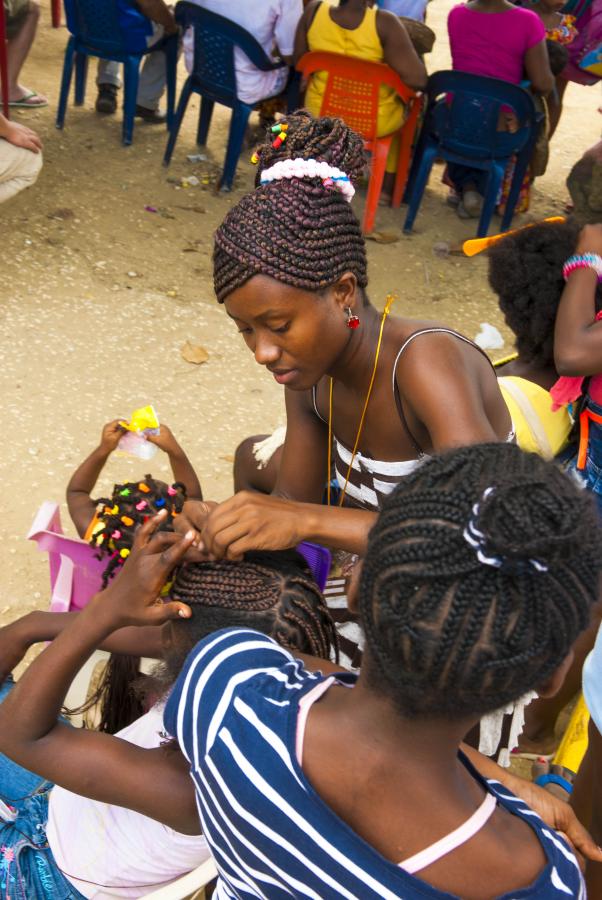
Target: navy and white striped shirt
[234, 711]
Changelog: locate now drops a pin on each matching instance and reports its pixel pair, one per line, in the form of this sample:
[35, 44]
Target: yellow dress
[538, 429]
[362, 42]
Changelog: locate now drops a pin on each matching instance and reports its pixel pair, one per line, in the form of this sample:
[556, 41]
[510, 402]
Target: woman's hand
[133, 598]
[590, 240]
[250, 521]
[557, 814]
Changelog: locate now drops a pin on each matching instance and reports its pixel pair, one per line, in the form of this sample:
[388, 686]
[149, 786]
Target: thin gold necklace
[388, 303]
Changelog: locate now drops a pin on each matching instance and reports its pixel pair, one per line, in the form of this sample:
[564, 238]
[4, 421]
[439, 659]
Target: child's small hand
[165, 441]
[111, 434]
[590, 240]
[133, 598]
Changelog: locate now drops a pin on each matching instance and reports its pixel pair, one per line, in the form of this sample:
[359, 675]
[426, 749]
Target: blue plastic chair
[461, 125]
[214, 78]
[95, 31]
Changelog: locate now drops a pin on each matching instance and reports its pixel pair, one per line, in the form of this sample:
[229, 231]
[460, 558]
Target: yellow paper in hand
[142, 419]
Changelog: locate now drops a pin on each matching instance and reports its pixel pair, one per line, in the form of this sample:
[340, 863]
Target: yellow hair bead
[124, 553]
[255, 159]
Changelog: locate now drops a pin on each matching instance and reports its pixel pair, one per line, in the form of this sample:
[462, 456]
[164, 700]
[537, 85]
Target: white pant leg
[19, 169]
[153, 74]
[108, 73]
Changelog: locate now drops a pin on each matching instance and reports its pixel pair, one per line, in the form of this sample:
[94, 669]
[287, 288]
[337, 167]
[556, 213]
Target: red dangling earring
[352, 320]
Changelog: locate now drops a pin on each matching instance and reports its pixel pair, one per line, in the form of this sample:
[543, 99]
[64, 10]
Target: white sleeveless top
[109, 851]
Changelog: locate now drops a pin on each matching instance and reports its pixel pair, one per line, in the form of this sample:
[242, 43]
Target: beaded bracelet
[583, 261]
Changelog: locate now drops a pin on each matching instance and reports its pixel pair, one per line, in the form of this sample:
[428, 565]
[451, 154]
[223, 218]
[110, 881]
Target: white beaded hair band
[310, 168]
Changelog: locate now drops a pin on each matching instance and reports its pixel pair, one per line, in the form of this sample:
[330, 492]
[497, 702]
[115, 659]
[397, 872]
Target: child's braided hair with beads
[129, 506]
[296, 230]
[481, 572]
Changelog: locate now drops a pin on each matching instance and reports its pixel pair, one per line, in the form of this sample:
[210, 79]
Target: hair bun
[545, 528]
[325, 139]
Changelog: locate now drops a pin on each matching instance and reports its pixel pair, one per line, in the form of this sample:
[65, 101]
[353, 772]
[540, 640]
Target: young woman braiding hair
[290, 269]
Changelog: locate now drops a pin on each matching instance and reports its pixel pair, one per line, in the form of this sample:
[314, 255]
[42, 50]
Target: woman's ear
[552, 685]
[353, 589]
[346, 292]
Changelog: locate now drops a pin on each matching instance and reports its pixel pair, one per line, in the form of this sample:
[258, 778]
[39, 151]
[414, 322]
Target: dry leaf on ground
[193, 353]
[384, 237]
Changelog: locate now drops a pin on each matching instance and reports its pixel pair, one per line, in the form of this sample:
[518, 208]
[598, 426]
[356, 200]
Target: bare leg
[17, 50]
[248, 476]
[555, 104]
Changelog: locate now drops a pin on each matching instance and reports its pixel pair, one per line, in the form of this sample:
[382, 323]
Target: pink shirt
[493, 44]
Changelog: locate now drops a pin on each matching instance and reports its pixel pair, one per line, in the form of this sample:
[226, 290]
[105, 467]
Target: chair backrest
[215, 38]
[352, 88]
[464, 112]
[101, 25]
[75, 572]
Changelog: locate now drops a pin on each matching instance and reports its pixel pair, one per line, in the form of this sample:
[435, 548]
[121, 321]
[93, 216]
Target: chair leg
[171, 66]
[81, 75]
[205, 115]
[408, 134]
[496, 174]
[56, 13]
[520, 170]
[65, 82]
[238, 125]
[421, 169]
[380, 151]
[131, 74]
[175, 128]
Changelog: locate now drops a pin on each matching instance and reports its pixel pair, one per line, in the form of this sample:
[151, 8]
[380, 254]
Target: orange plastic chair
[3, 62]
[351, 93]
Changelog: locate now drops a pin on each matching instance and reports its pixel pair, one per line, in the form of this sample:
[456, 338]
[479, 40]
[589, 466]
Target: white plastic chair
[187, 885]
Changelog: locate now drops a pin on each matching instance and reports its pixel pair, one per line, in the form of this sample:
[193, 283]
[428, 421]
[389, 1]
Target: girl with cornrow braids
[290, 269]
[480, 572]
[98, 832]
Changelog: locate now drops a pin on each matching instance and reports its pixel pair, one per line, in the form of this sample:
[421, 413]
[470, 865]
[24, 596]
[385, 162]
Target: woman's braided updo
[295, 230]
[448, 634]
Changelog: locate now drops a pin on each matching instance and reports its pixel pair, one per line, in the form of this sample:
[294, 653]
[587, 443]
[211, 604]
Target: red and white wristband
[583, 261]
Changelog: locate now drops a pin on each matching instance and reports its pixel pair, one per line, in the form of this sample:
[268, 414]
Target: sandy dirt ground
[99, 295]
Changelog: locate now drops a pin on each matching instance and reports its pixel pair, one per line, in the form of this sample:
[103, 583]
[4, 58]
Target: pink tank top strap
[453, 840]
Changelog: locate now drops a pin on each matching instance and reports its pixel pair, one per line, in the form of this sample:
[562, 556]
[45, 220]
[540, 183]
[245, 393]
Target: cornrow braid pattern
[274, 593]
[295, 230]
[447, 634]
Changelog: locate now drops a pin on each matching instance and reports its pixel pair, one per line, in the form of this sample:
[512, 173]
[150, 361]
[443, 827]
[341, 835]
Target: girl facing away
[496, 39]
[135, 781]
[481, 570]
[114, 816]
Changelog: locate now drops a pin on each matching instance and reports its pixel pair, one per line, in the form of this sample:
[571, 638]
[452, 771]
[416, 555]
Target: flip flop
[23, 102]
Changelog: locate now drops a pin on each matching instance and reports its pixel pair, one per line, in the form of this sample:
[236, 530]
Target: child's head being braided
[480, 574]
[274, 593]
[296, 230]
[129, 506]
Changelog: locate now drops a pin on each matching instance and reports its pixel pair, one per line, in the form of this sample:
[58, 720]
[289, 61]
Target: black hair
[129, 506]
[525, 271]
[272, 592]
[453, 629]
[296, 230]
[558, 56]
